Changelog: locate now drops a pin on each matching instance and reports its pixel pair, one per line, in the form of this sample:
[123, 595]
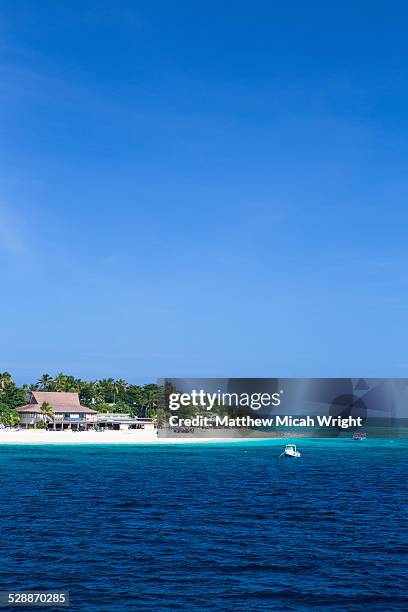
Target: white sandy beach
[40, 436]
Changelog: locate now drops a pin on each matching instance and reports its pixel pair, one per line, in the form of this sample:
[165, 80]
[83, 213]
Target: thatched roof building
[67, 411]
[60, 402]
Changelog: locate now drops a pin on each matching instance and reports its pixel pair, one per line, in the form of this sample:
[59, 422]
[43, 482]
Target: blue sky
[203, 189]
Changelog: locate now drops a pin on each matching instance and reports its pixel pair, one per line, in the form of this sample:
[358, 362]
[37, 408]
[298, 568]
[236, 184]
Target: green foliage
[159, 416]
[10, 394]
[121, 407]
[104, 395]
[47, 410]
[102, 407]
[8, 416]
[41, 425]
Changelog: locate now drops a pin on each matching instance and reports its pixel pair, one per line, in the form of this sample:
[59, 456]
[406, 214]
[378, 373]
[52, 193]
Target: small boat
[359, 435]
[291, 451]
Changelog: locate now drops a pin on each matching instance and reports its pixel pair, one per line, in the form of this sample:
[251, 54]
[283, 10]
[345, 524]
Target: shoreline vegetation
[118, 397]
[103, 395]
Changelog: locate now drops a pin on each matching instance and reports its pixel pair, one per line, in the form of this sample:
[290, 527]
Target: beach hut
[57, 410]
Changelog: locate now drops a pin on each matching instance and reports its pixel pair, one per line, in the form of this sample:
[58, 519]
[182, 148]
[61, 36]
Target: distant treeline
[104, 395]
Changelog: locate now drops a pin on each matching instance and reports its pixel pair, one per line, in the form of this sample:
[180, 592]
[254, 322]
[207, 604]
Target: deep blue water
[220, 527]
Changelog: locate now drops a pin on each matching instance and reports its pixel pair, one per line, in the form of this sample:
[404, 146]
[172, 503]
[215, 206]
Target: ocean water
[208, 527]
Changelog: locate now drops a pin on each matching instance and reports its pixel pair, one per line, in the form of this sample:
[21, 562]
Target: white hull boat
[360, 435]
[291, 451]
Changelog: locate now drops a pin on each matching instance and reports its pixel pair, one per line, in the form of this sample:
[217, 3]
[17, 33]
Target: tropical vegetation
[104, 395]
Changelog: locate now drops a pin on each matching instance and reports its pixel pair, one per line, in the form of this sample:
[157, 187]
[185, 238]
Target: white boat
[291, 451]
[360, 435]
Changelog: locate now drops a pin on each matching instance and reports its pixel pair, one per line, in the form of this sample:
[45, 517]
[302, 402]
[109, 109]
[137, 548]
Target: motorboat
[291, 451]
[359, 435]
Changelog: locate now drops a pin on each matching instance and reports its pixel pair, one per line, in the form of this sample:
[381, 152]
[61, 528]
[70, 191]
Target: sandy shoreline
[38, 436]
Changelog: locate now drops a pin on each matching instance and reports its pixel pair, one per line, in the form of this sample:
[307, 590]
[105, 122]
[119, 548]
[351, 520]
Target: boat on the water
[359, 435]
[291, 451]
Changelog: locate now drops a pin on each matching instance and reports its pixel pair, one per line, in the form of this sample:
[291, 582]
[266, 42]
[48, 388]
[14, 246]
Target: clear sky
[203, 188]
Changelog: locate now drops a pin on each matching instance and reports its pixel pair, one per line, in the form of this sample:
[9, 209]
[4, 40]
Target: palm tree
[47, 411]
[45, 381]
[8, 416]
[158, 417]
[115, 390]
[151, 393]
[72, 384]
[149, 398]
[107, 385]
[60, 382]
[118, 388]
[5, 380]
[96, 391]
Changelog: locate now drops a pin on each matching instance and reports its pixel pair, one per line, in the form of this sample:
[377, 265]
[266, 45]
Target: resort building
[61, 411]
[57, 410]
[119, 421]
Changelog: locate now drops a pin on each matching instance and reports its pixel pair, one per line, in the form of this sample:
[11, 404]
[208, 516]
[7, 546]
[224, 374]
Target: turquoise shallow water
[212, 526]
